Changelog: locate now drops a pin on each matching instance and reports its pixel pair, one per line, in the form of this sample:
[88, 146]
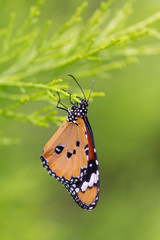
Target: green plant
[31, 56]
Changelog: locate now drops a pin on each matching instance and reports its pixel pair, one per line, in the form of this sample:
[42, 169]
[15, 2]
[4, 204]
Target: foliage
[32, 59]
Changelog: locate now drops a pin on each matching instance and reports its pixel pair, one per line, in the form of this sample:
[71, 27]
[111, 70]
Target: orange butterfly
[70, 155]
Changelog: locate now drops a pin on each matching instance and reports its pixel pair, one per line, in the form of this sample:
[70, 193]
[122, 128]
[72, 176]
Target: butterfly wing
[64, 155]
[71, 158]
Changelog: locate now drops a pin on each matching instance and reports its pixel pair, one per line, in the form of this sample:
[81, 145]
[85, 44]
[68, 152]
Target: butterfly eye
[59, 149]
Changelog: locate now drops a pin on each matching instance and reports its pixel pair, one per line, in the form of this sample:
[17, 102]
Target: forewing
[64, 155]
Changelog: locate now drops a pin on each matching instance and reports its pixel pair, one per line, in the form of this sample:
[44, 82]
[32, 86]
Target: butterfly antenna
[91, 90]
[78, 85]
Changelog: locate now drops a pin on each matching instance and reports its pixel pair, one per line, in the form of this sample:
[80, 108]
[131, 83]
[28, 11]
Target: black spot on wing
[69, 154]
[77, 144]
[86, 149]
[59, 149]
[87, 152]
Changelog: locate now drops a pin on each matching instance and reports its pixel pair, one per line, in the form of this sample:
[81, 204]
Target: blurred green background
[126, 126]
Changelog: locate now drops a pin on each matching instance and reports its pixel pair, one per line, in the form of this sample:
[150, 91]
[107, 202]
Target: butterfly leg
[59, 102]
[69, 96]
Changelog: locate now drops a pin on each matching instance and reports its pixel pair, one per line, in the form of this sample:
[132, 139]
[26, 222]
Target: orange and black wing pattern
[64, 155]
[70, 157]
[88, 189]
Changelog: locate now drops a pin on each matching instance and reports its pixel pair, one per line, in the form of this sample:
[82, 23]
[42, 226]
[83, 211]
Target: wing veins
[64, 157]
[76, 158]
[67, 149]
[58, 136]
[83, 146]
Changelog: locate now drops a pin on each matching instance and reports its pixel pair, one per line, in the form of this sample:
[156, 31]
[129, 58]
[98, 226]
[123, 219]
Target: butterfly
[70, 155]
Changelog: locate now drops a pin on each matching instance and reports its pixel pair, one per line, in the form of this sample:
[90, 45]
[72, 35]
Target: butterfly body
[70, 157]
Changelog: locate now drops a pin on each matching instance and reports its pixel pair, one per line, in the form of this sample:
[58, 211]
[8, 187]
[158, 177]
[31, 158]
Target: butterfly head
[83, 104]
[78, 111]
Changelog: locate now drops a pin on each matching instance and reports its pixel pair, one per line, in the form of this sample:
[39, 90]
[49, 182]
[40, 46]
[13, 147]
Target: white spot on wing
[95, 178]
[97, 173]
[91, 181]
[84, 186]
[77, 190]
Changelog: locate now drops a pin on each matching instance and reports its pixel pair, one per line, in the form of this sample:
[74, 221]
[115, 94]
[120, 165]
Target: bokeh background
[126, 126]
